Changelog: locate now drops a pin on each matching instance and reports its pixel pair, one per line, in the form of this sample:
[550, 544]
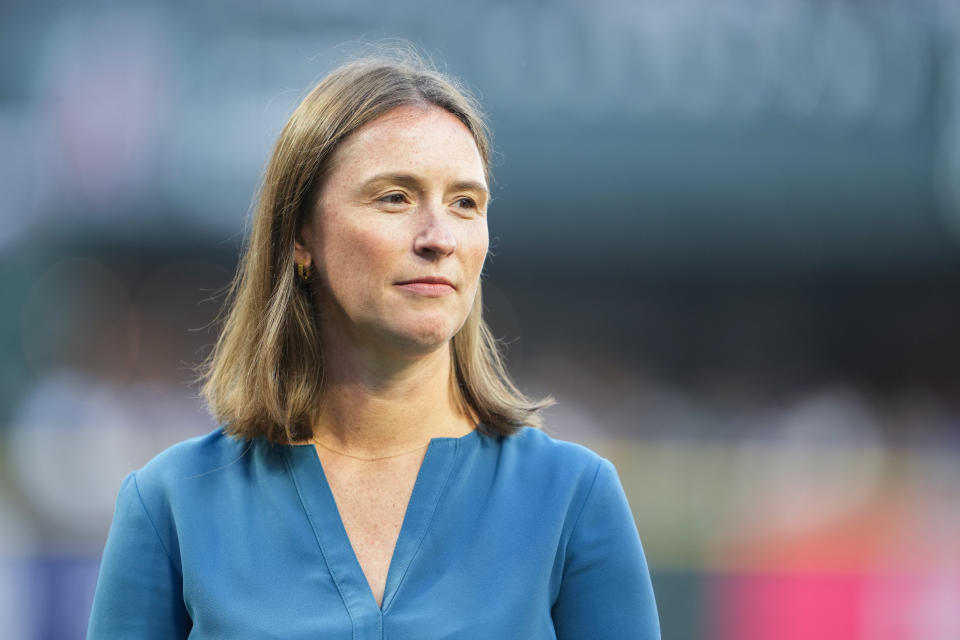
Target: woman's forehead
[408, 138]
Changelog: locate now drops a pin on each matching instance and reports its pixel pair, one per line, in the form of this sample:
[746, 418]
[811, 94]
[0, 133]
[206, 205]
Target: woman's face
[398, 235]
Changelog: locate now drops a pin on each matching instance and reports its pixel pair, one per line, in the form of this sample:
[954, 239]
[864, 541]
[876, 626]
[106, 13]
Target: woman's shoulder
[536, 442]
[535, 451]
[215, 453]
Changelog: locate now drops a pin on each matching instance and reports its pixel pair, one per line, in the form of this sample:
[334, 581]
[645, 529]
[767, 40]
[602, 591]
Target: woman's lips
[428, 287]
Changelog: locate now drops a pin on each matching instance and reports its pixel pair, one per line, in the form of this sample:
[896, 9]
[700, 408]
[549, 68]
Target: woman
[376, 475]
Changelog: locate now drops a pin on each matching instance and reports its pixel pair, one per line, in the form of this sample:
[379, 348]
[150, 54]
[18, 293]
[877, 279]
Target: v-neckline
[321, 508]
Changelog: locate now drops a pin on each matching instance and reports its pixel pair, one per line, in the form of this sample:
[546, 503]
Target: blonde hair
[265, 374]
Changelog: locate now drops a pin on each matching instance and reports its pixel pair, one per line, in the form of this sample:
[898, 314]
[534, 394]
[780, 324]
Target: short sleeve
[139, 591]
[605, 591]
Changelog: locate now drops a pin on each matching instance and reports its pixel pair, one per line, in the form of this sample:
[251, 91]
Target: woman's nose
[435, 235]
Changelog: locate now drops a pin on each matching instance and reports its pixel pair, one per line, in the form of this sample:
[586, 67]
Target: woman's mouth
[429, 287]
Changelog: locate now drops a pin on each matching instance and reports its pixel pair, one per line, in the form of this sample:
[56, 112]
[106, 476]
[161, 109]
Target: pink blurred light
[785, 606]
[833, 606]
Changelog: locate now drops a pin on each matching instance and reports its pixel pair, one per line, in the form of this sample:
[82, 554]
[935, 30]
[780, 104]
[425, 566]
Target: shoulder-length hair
[265, 375]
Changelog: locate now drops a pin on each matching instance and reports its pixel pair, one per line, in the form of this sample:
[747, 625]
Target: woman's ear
[302, 243]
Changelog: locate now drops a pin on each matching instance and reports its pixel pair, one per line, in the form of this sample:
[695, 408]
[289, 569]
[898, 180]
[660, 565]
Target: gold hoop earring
[303, 271]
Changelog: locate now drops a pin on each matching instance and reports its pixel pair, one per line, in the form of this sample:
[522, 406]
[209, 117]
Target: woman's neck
[376, 407]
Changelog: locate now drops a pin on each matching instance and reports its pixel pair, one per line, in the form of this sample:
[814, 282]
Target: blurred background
[726, 237]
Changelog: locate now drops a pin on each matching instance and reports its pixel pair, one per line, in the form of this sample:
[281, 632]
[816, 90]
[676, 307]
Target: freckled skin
[367, 235]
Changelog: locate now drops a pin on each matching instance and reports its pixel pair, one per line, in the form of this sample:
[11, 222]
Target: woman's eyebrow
[412, 182]
[402, 179]
[470, 185]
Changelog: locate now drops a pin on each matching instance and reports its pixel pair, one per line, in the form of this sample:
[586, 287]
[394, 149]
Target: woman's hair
[265, 376]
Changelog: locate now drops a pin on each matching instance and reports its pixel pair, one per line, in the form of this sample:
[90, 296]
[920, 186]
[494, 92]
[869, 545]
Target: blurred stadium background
[726, 238]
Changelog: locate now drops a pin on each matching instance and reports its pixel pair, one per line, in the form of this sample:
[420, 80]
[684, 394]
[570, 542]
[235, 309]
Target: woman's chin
[422, 338]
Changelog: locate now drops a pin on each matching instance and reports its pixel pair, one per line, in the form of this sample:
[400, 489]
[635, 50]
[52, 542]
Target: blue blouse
[523, 537]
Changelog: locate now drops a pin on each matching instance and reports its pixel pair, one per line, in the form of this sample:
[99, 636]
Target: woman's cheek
[480, 244]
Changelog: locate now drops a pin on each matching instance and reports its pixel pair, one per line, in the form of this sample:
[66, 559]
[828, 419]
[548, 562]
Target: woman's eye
[466, 203]
[393, 198]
